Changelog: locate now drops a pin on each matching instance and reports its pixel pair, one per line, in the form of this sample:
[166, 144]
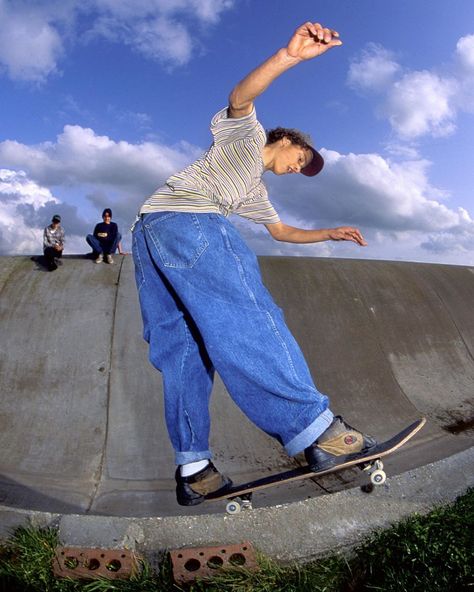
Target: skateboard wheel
[378, 477]
[233, 507]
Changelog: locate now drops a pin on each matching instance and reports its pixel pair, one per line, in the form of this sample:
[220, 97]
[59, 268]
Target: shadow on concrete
[18, 495]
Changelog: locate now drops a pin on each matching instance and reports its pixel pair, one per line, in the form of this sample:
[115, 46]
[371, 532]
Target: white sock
[192, 468]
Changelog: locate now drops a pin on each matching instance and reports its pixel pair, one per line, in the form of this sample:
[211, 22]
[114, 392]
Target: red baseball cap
[315, 166]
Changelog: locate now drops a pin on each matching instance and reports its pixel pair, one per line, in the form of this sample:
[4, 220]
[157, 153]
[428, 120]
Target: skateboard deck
[370, 462]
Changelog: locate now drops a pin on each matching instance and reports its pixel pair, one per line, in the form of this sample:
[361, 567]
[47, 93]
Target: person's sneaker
[191, 490]
[109, 259]
[338, 444]
[100, 258]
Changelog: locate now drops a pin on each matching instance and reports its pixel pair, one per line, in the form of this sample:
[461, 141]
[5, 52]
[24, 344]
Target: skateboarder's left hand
[347, 233]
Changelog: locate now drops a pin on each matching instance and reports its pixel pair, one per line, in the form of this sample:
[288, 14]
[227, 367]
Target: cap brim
[315, 166]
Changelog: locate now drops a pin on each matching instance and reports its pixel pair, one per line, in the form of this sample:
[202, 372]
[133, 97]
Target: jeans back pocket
[177, 237]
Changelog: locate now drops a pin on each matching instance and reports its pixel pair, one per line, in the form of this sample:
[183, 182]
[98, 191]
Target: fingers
[355, 236]
[322, 34]
[350, 234]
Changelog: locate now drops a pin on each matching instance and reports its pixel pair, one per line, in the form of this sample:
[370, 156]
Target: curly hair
[295, 136]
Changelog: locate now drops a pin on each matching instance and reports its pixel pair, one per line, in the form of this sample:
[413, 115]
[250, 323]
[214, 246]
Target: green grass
[432, 553]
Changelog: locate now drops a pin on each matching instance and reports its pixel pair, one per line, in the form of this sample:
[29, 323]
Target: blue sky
[101, 100]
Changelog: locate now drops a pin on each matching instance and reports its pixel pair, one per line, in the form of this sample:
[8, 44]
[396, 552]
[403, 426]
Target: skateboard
[240, 496]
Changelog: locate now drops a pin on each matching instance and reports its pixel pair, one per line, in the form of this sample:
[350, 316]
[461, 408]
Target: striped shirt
[227, 179]
[53, 236]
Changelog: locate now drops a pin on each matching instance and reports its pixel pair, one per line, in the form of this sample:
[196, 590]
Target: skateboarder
[203, 303]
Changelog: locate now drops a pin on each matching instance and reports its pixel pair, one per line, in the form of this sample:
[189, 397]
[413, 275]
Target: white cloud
[369, 190]
[80, 156]
[156, 37]
[374, 70]
[402, 151]
[465, 74]
[16, 190]
[417, 103]
[465, 52]
[80, 162]
[141, 121]
[421, 103]
[29, 45]
[458, 242]
[393, 203]
[162, 30]
[33, 35]
[26, 207]
[208, 11]
[163, 40]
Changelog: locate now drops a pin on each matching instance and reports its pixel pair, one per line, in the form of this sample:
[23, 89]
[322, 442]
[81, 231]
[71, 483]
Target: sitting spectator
[106, 239]
[53, 243]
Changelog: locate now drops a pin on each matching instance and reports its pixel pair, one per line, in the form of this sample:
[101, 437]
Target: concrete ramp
[81, 416]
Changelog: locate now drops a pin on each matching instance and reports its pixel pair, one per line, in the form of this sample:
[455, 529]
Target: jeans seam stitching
[285, 348]
[139, 264]
[188, 421]
[267, 313]
[183, 361]
[240, 268]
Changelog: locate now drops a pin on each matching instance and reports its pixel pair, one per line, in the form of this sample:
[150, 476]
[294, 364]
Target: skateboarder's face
[290, 158]
[106, 218]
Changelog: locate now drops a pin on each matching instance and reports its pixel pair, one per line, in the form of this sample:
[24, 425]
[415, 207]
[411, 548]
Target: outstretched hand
[347, 233]
[311, 40]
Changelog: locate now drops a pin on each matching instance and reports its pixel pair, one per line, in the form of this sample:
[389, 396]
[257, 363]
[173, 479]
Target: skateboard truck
[238, 503]
[375, 471]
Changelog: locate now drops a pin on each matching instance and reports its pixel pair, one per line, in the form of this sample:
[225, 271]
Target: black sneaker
[338, 444]
[192, 490]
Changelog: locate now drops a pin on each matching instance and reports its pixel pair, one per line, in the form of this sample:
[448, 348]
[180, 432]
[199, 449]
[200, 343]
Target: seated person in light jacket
[53, 243]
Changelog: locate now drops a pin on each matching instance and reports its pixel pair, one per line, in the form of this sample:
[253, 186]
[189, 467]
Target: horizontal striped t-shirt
[227, 179]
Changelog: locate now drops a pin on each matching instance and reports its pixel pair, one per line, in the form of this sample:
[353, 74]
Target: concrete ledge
[296, 531]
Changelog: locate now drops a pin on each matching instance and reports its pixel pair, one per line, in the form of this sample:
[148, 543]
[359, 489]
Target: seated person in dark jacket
[106, 238]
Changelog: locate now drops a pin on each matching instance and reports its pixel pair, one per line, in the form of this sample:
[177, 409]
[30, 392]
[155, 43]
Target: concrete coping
[298, 531]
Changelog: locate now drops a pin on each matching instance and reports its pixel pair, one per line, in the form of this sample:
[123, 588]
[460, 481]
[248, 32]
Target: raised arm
[308, 41]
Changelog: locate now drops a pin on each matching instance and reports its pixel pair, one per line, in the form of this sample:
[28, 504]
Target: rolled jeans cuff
[310, 434]
[182, 458]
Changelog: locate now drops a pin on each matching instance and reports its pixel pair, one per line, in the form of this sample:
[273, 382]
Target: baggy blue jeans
[205, 309]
